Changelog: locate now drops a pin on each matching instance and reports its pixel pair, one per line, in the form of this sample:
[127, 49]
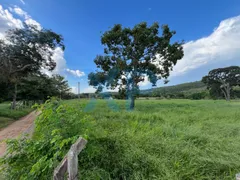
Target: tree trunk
[132, 102]
[226, 91]
[225, 95]
[14, 97]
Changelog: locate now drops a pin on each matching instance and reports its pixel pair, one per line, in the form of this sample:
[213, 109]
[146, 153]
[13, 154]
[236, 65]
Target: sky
[210, 29]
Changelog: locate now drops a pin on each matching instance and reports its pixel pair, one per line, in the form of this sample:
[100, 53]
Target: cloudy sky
[210, 29]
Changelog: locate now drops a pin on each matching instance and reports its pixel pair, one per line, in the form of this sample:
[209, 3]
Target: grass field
[162, 139]
[7, 116]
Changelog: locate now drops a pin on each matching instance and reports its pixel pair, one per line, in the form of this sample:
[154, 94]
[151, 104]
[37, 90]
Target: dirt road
[23, 125]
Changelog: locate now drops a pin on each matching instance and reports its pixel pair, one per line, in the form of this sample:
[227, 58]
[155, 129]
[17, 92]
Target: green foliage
[222, 80]
[5, 91]
[192, 90]
[22, 50]
[236, 91]
[5, 111]
[229, 75]
[40, 87]
[57, 128]
[167, 139]
[198, 96]
[4, 122]
[27, 51]
[37, 87]
[131, 54]
[180, 88]
[8, 116]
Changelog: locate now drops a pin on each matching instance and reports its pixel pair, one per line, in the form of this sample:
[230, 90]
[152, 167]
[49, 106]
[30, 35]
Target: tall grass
[6, 111]
[160, 139]
[7, 115]
[163, 139]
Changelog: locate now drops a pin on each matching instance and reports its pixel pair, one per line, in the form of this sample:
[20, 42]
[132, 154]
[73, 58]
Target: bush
[199, 95]
[57, 128]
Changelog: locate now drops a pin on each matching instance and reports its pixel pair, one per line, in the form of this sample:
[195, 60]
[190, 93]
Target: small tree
[25, 51]
[133, 54]
[224, 79]
[61, 85]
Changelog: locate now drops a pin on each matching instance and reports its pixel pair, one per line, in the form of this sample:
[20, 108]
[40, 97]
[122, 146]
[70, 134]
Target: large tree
[25, 51]
[223, 79]
[132, 54]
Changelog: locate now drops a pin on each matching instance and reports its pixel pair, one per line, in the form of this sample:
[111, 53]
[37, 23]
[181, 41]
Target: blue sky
[209, 43]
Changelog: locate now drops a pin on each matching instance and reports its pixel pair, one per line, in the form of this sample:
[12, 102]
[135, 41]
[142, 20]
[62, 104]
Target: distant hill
[174, 91]
[191, 87]
[191, 90]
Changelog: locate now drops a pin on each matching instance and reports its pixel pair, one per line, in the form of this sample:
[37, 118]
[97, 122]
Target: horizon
[210, 30]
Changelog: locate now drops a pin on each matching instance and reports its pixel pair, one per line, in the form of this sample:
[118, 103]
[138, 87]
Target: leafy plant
[57, 128]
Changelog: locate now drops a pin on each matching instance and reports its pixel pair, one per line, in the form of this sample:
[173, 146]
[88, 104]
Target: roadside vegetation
[8, 116]
[161, 139]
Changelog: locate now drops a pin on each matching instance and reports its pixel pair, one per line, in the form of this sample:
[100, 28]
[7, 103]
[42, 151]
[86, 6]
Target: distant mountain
[190, 87]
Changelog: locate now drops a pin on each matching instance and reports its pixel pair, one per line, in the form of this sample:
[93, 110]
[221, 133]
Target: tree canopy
[27, 51]
[40, 87]
[223, 79]
[132, 54]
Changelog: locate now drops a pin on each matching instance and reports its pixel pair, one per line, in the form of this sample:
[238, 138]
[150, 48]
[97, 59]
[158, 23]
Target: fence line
[69, 163]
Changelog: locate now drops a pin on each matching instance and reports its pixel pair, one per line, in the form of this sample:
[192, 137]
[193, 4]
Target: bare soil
[16, 129]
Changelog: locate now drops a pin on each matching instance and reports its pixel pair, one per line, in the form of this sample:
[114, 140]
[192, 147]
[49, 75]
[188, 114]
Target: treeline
[221, 83]
[24, 54]
[191, 93]
[192, 90]
[37, 87]
[179, 95]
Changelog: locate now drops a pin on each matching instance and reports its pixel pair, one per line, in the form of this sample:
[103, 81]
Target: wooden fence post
[70, 162]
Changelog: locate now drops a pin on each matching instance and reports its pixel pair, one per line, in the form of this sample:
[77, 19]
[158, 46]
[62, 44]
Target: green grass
[7, 116]
[162, 139]
[4, 122]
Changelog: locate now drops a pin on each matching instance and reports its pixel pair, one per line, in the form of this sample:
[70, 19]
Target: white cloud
[23, 2]
[20, 12]
[28, 19]
[58, 57]
[88, 89]
[222, 45]
[7, 21]
[61, 68]
[111, 90]
[76, 73]
[34, 23]
[74, 90]
[146, 82]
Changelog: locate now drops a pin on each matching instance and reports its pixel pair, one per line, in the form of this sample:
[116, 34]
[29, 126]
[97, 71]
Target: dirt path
[23, 125]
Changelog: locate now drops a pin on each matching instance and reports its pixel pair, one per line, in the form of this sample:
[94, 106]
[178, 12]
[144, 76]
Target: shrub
[57, 128]
[199, 95]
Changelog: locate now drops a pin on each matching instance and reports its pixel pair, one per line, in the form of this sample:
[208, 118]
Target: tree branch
[22, 69]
